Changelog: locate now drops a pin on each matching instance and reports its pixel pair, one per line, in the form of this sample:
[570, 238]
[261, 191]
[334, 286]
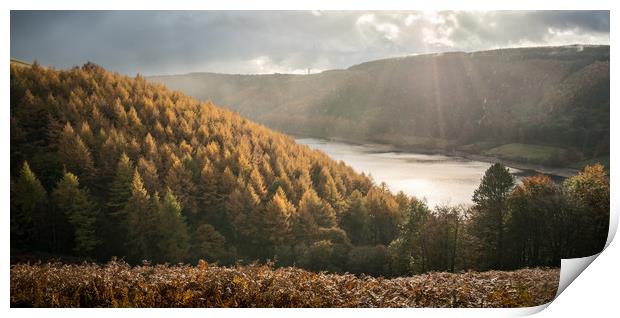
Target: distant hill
[556, 97]
[17, 62]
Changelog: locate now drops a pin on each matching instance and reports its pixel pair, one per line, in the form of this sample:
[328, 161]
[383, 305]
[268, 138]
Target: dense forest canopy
[475, 102]
[105, 165]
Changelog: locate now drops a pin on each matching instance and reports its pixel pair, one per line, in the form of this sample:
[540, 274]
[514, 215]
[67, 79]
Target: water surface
[437, 178]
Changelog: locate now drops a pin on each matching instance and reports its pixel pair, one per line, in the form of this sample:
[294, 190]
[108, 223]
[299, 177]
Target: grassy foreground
[116, 284]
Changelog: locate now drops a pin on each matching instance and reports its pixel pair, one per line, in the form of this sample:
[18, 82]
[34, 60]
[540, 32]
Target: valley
[544, 106]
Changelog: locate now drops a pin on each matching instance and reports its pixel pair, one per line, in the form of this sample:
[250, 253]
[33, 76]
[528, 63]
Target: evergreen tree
[208, 243]
[491, 212]
[174, 240]
[120, 189]
[410, 249]
[76, 205]
[114, 225]
[179, 179]
[356, 220]
[28, 199]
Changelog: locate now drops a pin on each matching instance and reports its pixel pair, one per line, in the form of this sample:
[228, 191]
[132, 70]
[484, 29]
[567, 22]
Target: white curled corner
[570, 268]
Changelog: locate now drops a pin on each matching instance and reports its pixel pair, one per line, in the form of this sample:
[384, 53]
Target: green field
[477, 147]
[527, 153]
[604, 160]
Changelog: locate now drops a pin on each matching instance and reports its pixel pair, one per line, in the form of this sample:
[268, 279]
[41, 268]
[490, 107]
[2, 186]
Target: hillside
[104, 165]
[556, 97]
[118, 285]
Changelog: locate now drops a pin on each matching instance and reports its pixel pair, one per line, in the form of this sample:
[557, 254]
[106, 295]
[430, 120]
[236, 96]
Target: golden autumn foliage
[237, 178]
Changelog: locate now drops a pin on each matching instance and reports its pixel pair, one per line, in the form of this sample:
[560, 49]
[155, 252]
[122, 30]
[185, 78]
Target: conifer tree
[258, 183]
[385, 216]
[276, 219]
[28, 198]
[87, 134]
[242, 208]
[120, 189]
[74, 153]
[148, 171]
[209, 184]
[356, 219]
[142, 222]
[490, 211]
[174, 240]
[76, 205]
[150, 147]
[410, 248]
[323, 214]
[179, 179]
[208, 243]
[303, 222]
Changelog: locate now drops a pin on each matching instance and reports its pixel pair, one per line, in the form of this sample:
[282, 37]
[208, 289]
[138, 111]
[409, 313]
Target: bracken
[117, 284]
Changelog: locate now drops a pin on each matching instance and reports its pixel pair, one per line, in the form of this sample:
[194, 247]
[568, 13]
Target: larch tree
[326, 189]
[142, 222]
[323, 214]
[303, 224]
[242, 209]
[276, 219]
[179, 179]
[384, 213]
[148, 171]
[74, 153]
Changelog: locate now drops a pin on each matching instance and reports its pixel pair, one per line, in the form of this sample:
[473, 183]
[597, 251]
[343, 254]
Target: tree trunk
[456, 233]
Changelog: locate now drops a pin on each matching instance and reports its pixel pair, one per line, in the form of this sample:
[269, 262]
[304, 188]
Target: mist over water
[437, 178]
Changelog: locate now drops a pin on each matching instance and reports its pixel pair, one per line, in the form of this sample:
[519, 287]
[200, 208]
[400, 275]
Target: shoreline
[558, 172]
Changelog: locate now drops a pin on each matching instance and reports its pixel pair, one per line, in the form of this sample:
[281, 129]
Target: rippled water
[437, 178]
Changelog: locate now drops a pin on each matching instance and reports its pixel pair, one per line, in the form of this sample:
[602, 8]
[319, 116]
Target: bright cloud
[169, 42]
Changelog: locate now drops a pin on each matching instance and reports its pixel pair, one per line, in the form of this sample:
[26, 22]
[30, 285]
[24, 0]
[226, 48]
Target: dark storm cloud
[158, 42]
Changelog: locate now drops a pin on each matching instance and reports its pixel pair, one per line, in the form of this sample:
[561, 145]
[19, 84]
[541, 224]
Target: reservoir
[437, 178]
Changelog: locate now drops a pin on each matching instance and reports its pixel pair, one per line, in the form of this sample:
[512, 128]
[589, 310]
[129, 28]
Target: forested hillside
[105, 165]
[556, 97]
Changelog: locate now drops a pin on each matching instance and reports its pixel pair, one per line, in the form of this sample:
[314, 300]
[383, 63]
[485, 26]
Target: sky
[264, 42]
